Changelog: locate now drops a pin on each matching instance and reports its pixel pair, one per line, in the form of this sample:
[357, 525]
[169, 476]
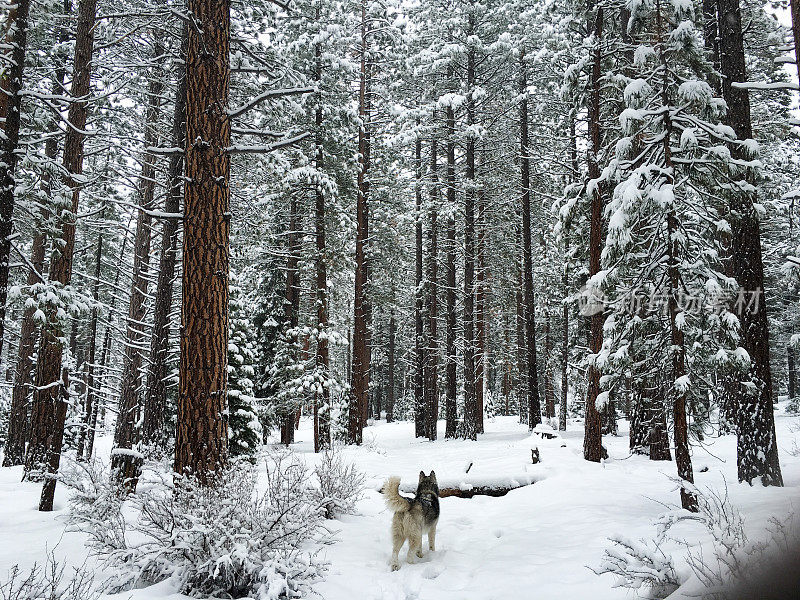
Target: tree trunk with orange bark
[202, 429]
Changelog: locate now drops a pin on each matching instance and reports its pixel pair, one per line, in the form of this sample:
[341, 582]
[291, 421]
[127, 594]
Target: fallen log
[495, 492]
[469, 487]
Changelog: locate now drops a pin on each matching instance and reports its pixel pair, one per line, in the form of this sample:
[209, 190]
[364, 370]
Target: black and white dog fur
[413, 517]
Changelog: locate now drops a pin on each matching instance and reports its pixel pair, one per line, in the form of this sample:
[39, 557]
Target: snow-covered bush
[95, 503]
[340, 484]
[732, 560]
[727, 562]
[226, 540]
[640, 565]
[49, 582]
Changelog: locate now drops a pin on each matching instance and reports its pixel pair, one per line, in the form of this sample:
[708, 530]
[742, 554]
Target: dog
[413, 517]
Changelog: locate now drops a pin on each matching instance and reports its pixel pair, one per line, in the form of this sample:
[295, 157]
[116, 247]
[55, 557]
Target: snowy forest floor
[537, 541]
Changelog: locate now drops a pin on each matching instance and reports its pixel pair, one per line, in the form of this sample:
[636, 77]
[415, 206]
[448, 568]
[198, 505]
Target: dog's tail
[395, 502]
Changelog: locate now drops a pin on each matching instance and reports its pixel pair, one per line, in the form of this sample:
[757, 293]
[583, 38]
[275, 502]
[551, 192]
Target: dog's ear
[421, 476]
[433, 475]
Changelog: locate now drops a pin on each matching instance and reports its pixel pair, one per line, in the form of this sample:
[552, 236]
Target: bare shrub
[727, 563]
[52, 581]
[640, 565]
[341, 485]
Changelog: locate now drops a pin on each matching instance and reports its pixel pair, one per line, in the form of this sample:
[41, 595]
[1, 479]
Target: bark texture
[757, 449]
[592, 440]
[43, 434]
[202, 430]
[14, 43]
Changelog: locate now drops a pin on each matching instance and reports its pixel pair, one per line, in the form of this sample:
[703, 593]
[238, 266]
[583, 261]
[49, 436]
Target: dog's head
[427, 483]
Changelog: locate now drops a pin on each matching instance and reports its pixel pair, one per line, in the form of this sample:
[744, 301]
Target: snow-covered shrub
[340, 484]
[230, 539]
[49, 582]
[641, 566]
[726, 563]
[95, 503]
[732, 560]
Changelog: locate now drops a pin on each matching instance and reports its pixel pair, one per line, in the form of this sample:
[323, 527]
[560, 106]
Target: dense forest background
[218, 217]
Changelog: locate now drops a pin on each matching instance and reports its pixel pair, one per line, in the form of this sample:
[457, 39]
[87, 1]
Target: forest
[258, 257]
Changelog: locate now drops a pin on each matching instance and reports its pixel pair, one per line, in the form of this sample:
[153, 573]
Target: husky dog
[413, 516]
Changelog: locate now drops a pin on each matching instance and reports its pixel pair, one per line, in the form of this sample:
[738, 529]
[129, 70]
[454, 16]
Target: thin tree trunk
[432, 288]
[153, 426]
[757, 449]
[292, 306]
[592, 440]
[480, 315]
[795, 9]
[88, 405]
[451, 413]
[470, 426]
[391, 366]
[124, 463]
[534, 409]
[562, 411]
[549, 388]
[792, 371]
[322, 403]
[92, 398]
[360, 350]
[49, 360]
[15, 39]
[202, 431]
[678, 389]
[420, 421]
[522, 370]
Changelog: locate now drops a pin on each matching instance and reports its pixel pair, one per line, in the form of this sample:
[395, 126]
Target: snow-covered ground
[538, 541]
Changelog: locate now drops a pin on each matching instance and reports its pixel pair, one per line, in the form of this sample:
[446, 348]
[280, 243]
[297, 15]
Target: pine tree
[244, 428]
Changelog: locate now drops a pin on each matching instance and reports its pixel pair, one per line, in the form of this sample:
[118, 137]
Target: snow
[540, 537]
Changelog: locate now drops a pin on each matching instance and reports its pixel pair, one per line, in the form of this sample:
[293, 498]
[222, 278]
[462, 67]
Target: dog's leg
[414, 547]
[397, 543]
[432, 538]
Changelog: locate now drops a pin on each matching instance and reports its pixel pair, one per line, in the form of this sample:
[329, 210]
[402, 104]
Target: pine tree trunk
[549, 387]
[451, 413]
[127, 465]
[534, 408]
[98, 370]
[360, 350]
[18, 418]
[420, 420]
[480, 315]
[432, 289]
[674, 256]
[49, 361]
[592, 440]
[153, 425]
[522, 369]
[322, 404]
[55, 444]
[291, 306]
[795, 9]
[391, 366]
[792, 371]
[562, 411]
[15, 39]
[202, 429]
[88, 405]
[470, 429]
[757, 450]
